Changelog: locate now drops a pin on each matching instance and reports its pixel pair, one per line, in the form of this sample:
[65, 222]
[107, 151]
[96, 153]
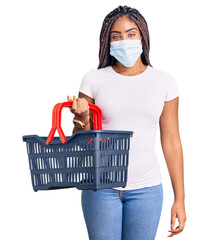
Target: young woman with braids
[132, 96]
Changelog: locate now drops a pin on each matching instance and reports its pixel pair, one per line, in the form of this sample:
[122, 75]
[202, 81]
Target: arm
[171, 146]
[88, 126]
[172, 150]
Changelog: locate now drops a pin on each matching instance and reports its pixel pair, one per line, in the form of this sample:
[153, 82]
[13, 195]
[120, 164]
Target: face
[124, 29]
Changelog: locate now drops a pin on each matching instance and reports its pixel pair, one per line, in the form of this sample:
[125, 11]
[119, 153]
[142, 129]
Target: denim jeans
[111, 214]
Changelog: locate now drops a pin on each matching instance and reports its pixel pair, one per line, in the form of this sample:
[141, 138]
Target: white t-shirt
[133, 103]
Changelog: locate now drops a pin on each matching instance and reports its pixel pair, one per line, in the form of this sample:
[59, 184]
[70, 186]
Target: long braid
[105, 59]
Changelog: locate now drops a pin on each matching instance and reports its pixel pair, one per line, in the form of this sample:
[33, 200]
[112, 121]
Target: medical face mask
[126, 51]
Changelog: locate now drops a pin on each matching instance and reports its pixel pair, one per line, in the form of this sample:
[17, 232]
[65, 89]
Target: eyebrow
[125, 31]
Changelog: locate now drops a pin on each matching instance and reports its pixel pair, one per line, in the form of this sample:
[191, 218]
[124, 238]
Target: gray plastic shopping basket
[88, 160]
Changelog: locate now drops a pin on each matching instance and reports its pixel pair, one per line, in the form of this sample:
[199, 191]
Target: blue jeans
[111, 214]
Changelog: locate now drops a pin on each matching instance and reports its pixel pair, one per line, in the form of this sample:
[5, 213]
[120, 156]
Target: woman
[132, 96]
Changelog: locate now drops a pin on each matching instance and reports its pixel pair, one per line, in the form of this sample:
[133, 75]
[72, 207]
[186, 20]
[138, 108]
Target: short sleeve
[171, 88]
[86, 86]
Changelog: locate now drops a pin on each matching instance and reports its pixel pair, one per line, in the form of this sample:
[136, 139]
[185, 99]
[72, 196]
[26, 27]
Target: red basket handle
[56, 120]
[97, 116]
[54, 124]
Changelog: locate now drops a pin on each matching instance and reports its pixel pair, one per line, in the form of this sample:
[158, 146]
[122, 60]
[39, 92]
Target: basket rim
[42, 138]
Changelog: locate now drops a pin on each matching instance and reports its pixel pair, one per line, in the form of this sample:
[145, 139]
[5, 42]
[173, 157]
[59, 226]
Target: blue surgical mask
[126, 51]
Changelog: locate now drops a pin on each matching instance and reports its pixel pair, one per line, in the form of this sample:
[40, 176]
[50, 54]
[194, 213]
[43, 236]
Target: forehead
[123, 23]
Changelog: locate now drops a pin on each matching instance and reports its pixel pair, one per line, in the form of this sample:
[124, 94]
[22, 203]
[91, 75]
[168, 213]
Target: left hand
[177, 211]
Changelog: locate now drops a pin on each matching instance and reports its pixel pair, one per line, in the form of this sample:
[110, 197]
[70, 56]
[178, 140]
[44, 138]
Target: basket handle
[97, 116]
[56, 120]
[54, 124]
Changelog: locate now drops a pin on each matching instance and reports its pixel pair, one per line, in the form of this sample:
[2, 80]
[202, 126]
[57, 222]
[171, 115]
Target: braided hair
[105, 59]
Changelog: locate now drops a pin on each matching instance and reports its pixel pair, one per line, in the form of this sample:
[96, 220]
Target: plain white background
[46, 47]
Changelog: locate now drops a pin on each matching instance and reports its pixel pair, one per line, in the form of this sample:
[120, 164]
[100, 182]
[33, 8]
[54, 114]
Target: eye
[132, 34]
[115, 37]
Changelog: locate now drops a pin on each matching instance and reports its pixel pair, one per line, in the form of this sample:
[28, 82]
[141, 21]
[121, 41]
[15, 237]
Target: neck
[138, 68]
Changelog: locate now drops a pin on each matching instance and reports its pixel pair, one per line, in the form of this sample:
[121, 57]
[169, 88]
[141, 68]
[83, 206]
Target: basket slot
[113, 143]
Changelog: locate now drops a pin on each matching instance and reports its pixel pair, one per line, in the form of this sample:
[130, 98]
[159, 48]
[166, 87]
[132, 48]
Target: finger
[180, 228]
[176, 231]
[171, 235]
[82, 101]
[69, 98]
[74, 105]
[173, 219]
[86, 104]
[181, 223]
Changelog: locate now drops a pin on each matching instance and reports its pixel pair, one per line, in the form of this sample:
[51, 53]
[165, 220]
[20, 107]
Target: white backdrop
[46, 47]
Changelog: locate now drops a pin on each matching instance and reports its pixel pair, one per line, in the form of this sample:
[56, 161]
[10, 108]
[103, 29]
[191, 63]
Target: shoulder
[163, 77]
[96, 72]
[161, 73]
[169, 85]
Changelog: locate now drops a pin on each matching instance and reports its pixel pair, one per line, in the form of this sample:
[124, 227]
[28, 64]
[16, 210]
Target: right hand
[80, 108]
